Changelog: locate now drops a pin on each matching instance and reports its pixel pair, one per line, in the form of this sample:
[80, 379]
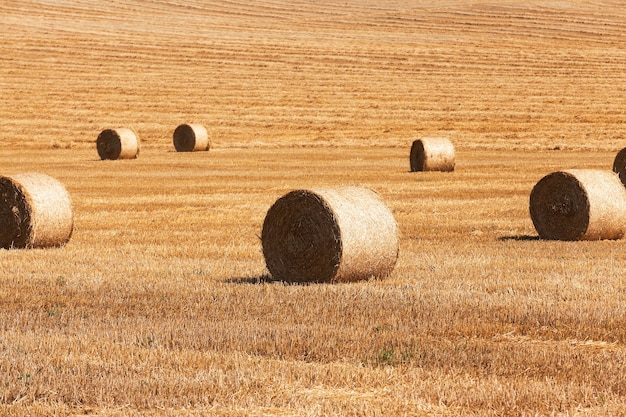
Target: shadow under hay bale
[432, 154]
[330, 235]
[191, 138]
[579, 204]
[35, 212]
[619, 165]
[120, 143]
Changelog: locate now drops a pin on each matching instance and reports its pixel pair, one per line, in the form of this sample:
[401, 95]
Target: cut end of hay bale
[329, 235]
[579, 205]
[432, 154]
[301, 238]
[120, 143]
[35, 212]
[559, 207]
[619, 165]
[190, 138]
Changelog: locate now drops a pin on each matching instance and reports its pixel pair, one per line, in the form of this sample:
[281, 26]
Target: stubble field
[159, 305]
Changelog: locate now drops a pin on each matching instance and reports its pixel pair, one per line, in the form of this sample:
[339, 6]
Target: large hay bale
[190, 138]
[579, 204]
[120, 143]
[619, 165]
[330, 235]
[35, 212]
[432, 154]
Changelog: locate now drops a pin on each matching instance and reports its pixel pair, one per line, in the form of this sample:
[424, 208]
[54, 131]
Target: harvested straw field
[159, 304]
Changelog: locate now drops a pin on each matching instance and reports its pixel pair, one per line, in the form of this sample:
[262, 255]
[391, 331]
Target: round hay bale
[120, 143]
[432, 154]
[619, 165]
[330, 235]
[579, 204]
[190, 138]
[35, 212]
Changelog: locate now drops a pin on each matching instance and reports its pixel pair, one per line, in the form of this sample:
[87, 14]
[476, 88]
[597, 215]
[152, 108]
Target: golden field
[159, 305]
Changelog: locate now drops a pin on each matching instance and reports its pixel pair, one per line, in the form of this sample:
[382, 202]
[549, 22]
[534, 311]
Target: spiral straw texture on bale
[35, 212]
[330, 235]
[432, 154]
[120, 143]
[619, 165]
[579, 204]
[191, 138]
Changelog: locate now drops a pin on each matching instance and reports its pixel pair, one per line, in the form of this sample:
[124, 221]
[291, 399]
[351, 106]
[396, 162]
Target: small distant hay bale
[120, 143]
[191, 138]
[619, 165]
[432, 154]
[330, 235]
[35, 212]
[579, 204]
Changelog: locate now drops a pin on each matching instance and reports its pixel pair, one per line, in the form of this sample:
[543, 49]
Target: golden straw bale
[432, 154]
[191, 137]
[619, 165]
[330, 235]
[120, 143]
[35, 212]
[579, 204]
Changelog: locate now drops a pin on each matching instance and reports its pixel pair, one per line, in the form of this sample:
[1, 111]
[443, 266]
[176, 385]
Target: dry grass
[156, 306]
[531, 76]
[157, 303]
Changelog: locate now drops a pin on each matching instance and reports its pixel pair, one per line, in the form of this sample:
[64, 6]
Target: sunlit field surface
[160, 304]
